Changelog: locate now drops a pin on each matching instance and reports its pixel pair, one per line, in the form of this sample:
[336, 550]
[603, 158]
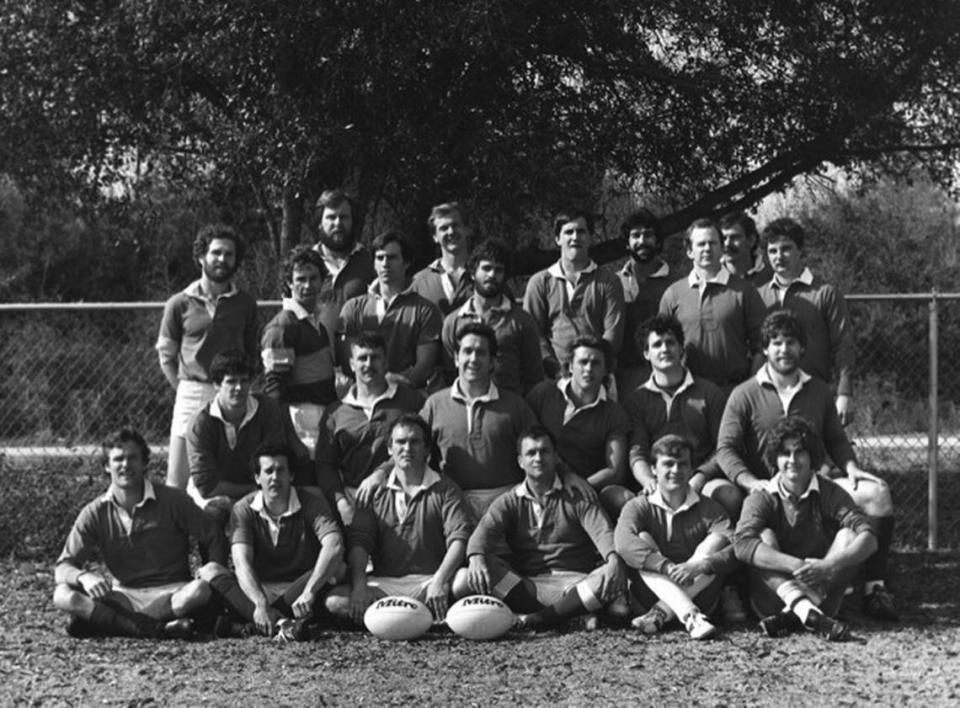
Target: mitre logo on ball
[397, 618]
[480, 617]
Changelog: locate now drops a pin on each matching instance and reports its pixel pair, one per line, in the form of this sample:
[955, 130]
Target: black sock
[875, 567]
[521, 600]
[124, 623]
[233, 596]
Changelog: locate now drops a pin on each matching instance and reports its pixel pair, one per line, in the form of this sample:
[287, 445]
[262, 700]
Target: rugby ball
[480, 617]
[397, 618]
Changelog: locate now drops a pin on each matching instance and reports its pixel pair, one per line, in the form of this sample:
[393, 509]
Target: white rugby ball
[480, 617]
[397, 618]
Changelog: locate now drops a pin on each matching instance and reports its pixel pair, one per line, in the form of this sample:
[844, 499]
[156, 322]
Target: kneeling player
[557, 538]
[142, 532]
[678, 542]
[287, 548]
[411, 522]
[802, 535]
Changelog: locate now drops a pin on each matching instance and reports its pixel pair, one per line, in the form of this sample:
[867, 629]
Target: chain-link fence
[74, 373]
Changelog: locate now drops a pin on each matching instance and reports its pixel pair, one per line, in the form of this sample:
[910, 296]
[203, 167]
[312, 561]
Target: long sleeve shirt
[147, 548]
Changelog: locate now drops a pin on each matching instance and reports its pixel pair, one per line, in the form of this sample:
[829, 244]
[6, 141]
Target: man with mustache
[518, 366]
[644, 277]
[741, 248]
[209, 316]
[446, 281]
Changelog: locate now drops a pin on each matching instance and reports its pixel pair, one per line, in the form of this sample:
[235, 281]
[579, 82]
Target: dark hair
[535, 432]
[366, 339]
[793, 426]
[393, 236]
[229, 363]
[270, 449]
[491, 250]
[704, 223]
[442, 211]
[333, 198]
[598, 343]
[568, 215]
[300, 257]
[746, 224]
[784, 228]
[411, 420]
[670, 446]
[658, 324]
[119, 439]
[479, 329]
[782, 323]
[201, 244]
[642, 219]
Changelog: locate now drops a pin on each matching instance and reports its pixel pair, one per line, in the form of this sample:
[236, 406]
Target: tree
[513, 106]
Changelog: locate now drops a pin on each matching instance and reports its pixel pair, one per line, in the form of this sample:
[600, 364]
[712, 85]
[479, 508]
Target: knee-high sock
[124, 623]
[875, 567]
[676, 600]
[229, 590]
[520, 599]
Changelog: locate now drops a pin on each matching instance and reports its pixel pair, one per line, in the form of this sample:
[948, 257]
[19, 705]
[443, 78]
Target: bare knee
[190, 597]
[337, 601]
[211, 570]
[612, 499]
[726, 494]
[66, 599]
[460, 586]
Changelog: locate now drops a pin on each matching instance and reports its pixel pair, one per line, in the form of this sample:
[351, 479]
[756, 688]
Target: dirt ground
[916, 662]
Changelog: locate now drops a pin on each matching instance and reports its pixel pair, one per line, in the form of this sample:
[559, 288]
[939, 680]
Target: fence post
[933, 436]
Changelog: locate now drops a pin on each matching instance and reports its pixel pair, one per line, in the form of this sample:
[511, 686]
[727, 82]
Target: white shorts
[306, 423]
[275, 590]
[191, 397]
[414, 586]
[149, 601]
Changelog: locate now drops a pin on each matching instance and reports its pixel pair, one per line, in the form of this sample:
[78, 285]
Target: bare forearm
[452, 560]
[330, 553]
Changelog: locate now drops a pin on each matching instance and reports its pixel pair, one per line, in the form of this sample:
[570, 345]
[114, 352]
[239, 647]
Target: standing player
[573, 297]
[518, 364]
[349, 266]
[142, 533]
[411, 523]
[562, 559]
[353, 433]
[590, 429]
[802, 535]
[720, 314]
[820, 307]
[781, 388]
[446, 282]
[408, 323]
[208, 317]
[678, 544]
[296, 349]
[644, 277]
[741, 248]
[287, 549]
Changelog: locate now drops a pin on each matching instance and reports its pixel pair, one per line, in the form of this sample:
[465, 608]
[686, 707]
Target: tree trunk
[292, 221]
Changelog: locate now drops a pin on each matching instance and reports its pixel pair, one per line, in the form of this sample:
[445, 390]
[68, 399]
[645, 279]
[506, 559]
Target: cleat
[731, 609]
[180, 628]
[698, 626]
[830, 629]
[780, 624]
[291, 630]
[879, 605]
[651, 622]
[225, 628]
[588, 622]
[619, 608]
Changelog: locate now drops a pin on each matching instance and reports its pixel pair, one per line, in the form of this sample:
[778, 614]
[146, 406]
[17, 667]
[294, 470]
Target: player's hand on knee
[613, 582]
[580, 485]
[814, 571]
[94, 585]
[682, 573]
[266, 618]
[303, 605]
[478, 575]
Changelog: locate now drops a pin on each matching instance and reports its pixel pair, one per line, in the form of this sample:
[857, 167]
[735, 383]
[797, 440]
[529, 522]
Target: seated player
[409, 323]
[475, 424]
[225, 433]
[411, 523]
[353, 432]
[142, 532]
[590, 429]
[782, 388]
[517, 366]
[678, 544]
[802, 535]
[287, 550]
[562, 561]
[296, 348]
